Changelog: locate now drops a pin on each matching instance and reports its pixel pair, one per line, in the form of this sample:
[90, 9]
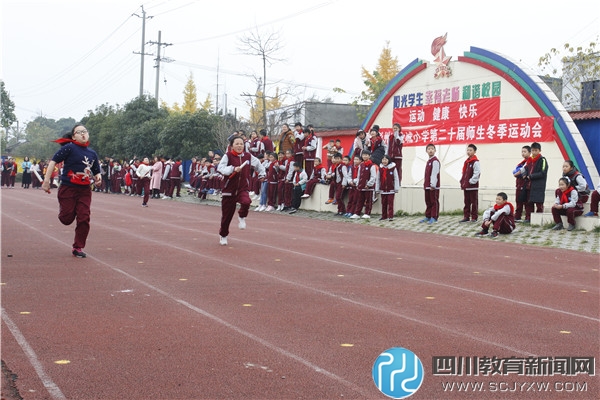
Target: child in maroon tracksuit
[317, 176]
[567, 203]
[340, 184]
[501, 217]
[235, 166]
[389, 185]
[365, 185]
[351, 185]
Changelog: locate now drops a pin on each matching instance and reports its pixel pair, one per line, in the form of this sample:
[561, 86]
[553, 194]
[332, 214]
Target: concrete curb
[535, 235]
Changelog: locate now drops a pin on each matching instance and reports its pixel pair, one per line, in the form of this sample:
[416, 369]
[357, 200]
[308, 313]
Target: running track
[293, 308]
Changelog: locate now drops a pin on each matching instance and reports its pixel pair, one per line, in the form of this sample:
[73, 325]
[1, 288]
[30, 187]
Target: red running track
[293, 308]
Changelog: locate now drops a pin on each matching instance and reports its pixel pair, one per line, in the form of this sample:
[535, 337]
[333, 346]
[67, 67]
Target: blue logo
[398, 373]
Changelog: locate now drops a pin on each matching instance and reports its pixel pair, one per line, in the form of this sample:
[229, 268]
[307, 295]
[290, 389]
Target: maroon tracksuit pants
[74, 203]
[387, 205]
[228, 205]
[432, 203]
[471, 201]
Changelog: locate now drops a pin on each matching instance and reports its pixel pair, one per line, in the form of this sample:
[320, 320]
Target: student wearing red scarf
[536, 174]
[469, 183]
[501, 217]
[80, 168]
[566, 203]
[365, 185]
[235, 166]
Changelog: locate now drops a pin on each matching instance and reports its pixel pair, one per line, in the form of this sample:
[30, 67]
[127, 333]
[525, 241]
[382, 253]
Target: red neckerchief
[63, 141]
[368, 163]
[235, 153]
[384, 174]
[564, 197]
[532, 160]
[498, 206]
[467, 161]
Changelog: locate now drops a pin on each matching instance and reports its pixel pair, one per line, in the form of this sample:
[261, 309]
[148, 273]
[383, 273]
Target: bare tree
[265, 45]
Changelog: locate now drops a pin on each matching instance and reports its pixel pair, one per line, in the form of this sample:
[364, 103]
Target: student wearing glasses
[81, 167]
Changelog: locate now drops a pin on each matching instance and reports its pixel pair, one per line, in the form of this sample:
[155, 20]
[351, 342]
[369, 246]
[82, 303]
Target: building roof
[336, 133]
[581, 115]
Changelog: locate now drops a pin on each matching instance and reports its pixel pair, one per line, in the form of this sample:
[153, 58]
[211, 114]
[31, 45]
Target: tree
[7, 113]
[189, 134]
[578, 65]
[190, 98]
[39, 136]
[208, 103]
[387, 68]
[266, 46]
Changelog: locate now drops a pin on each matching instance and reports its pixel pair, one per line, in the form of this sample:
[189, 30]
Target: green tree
[574, 65]
[189, 134]
[7, 114]
[39, 136]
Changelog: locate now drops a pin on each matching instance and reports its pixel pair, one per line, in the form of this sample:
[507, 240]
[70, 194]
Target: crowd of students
[371, 172]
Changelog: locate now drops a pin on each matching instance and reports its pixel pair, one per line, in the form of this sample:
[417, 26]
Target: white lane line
[50, 386]
[205, 313]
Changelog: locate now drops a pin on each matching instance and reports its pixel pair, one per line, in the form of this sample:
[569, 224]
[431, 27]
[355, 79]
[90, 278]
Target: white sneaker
[251, 194]
[366, 216]
[242, 224]
[258, 208]
[223, 240]
[305, 196]
[262, 208]
[355, 216]
[280, 207]
[269, 209]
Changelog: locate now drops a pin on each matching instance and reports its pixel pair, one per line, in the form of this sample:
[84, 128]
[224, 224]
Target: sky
[62, 58]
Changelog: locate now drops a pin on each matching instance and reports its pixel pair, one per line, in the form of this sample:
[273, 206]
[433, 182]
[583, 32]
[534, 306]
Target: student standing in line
[536, 174]
[395, 144]
[469, 183]
[431, 185]
[389, 185]
[521, 187]
[235, 166]
[81, 167]
[365, 185]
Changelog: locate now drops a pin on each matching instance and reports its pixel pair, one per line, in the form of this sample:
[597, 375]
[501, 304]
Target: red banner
[458, 112]
[517, 130]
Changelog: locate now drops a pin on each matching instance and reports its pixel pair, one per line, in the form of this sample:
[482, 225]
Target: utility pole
[144, 18]
[158, 59]
[217, 101]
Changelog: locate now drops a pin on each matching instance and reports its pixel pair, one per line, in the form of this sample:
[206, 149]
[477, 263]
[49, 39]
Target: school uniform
[144, 172]
[395, 144]
[175, 175]
[572, 207]
[352, 175]
[288, 188]
[299, 179]
[365, 185]
[502, 217]
[521, 190]
[273, 181]
[318, 175]
[389, 185]
[298, 144]
[340, 188]
[310, 142]
[431, 184]
[236, 186]
[469, 183]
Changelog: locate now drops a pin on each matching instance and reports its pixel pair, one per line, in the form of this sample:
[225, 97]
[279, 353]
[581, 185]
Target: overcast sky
[61, 58]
